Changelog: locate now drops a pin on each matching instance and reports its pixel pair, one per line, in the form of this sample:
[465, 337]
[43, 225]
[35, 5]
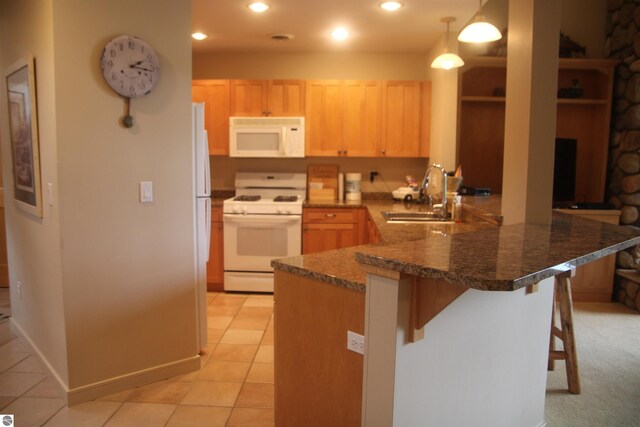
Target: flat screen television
[564, 170]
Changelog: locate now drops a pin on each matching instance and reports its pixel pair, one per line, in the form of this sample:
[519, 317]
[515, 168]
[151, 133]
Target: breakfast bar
[456, 324]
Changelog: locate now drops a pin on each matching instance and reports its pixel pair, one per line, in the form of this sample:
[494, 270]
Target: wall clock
[131, 68]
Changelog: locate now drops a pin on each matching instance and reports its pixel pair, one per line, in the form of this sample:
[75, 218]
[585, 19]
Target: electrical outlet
[355, 342]
[19, 288]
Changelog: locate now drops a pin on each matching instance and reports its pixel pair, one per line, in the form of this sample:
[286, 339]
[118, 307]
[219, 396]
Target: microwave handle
[284, 148]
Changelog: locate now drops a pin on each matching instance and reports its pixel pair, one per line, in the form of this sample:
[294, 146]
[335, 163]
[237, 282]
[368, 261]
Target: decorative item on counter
[341, 187]
[454, 182]
[409, 192]
[411, 182]
[352, 187]
[574, 91]
[456, 211]
[322, 182]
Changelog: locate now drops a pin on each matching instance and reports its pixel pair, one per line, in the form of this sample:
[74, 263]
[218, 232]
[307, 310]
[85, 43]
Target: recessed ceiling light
[199, 36]
[340, 33]
[391, 5]
[258, 7]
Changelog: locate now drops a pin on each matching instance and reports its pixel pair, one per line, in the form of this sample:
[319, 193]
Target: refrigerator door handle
[207, 167]
[207, 226]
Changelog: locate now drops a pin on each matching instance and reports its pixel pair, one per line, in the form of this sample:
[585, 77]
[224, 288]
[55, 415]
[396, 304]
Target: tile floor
[233, 388]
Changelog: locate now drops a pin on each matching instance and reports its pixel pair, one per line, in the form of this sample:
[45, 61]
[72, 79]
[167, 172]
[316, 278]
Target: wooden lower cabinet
[373, 235]
[318, 382]
[593, 281]
[324, 229]
[215, 266]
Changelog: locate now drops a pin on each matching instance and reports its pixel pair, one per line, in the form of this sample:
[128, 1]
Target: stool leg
[552, 341]
[563, 288]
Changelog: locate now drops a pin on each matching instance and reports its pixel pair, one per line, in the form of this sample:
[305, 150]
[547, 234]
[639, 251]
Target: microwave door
[256, 142]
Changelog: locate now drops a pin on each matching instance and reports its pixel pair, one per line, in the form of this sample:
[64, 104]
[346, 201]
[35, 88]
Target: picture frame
[23, 128]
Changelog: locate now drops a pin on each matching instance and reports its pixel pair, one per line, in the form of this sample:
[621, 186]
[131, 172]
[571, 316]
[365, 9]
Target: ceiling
[414, 28]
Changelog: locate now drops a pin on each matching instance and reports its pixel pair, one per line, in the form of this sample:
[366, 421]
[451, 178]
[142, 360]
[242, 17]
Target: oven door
[252, 241]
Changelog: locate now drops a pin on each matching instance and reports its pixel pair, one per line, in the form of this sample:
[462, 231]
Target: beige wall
[34, 245]
[108, 276]
[444, 107]
[582, 20]
[315, 66]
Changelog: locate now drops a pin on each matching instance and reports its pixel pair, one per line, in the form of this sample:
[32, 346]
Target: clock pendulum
[131, 68]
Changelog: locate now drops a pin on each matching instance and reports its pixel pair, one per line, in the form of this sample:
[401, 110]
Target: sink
[415, 217]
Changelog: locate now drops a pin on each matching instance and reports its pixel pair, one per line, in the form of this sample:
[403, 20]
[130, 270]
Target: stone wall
[623, 189]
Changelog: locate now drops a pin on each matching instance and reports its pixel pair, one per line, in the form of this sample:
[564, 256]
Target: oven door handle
[263, 219]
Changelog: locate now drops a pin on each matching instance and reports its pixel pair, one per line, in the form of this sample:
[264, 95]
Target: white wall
[110, 277]
[34, 245]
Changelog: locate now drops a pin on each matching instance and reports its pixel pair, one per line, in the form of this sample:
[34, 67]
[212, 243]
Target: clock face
[130, 66]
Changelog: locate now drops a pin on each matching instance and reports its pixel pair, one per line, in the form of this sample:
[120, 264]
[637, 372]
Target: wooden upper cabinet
[276, 98]
[323, 124]
[215, 95]
[286, 98]
[361, 118]
[401, 114]
[248, 98]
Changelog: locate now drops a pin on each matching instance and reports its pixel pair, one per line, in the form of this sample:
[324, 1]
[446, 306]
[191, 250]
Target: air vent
[282, 37]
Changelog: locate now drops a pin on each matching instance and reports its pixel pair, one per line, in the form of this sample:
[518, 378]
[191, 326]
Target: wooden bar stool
[569, 352]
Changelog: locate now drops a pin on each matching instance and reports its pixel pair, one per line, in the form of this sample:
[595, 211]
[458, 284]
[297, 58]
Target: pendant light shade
[447, 60]
[479, 31]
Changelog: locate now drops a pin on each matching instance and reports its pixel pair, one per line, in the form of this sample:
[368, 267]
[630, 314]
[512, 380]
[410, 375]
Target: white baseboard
[112, 385]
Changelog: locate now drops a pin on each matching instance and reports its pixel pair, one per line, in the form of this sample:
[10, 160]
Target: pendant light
[479, 31]
[447, 61]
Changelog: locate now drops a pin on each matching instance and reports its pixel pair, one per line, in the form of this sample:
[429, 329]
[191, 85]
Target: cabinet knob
[329, 215]
[339, 152]
[345, 152]
[219, 226]
[383, 151]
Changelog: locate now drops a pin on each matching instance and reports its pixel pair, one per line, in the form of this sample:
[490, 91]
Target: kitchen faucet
[432, 185]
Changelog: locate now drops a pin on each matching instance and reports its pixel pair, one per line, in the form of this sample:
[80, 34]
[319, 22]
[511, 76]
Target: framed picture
[23, 127]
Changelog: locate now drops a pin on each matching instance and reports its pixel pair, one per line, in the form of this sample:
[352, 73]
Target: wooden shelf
[582, 101]
[482, 99]
[481, 121]
[502, 99]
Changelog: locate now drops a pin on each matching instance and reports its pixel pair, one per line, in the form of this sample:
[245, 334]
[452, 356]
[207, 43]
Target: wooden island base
[318, 381]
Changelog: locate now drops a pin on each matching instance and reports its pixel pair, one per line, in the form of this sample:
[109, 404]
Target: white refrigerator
[202, 193]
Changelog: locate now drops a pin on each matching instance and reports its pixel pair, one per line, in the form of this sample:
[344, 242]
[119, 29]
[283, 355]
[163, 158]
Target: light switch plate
[146, 191]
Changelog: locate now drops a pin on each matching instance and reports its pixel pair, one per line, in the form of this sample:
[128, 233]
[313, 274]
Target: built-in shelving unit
[586, 119]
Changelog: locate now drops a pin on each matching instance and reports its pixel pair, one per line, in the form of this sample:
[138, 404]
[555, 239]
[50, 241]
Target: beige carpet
[608, 341]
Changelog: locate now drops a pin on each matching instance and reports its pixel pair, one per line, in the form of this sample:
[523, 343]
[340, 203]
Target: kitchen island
[456, 320]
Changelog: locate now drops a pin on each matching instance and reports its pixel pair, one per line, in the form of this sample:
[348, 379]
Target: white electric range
[263, 222]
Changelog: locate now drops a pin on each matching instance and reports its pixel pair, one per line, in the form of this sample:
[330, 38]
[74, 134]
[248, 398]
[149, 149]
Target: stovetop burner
[246, 198]
[286, 199]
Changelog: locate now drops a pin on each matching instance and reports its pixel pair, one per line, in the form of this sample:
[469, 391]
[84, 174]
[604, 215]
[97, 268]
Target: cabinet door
[215, 266]
[324, 237]
[248, 98]
[215, 95]
[323, 125]
[285, 98]
[401, 101]
[361, 118]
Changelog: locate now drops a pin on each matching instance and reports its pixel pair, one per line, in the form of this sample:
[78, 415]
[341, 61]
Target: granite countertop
[505, 258]
[479, 255]
[340, 267]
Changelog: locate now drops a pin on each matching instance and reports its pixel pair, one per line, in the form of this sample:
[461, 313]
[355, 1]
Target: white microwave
[266, 137]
